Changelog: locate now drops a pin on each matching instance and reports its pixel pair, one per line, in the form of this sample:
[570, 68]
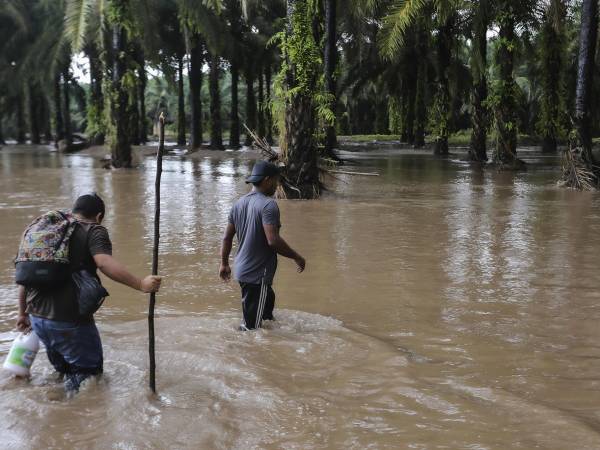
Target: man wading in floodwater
[72, 341]
[255, 220]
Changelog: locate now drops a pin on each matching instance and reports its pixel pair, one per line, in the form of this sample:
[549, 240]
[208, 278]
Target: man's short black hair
[89, 206]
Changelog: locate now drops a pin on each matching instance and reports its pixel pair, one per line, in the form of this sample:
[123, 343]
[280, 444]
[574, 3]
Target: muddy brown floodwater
[442, 307]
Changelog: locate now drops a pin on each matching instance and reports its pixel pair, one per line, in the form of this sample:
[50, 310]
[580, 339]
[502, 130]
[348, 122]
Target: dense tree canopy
[305, 70]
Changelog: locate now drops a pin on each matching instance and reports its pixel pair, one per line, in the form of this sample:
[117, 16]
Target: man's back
[255, 259]
[60, 302]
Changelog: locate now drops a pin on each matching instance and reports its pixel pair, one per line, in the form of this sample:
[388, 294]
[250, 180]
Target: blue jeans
[74, 350]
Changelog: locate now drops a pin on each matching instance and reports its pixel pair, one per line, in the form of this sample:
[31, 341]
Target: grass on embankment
[459, 139]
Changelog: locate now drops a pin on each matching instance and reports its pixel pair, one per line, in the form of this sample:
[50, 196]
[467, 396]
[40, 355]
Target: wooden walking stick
[159, 156]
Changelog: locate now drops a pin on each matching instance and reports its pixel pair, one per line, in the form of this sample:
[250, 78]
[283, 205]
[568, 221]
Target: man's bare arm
[23, 323]
[277, 243]
[116, 271]
[226, 245]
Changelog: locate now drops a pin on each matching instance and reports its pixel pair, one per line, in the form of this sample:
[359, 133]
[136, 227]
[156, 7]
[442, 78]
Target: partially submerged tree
[579, 167]
[216, 132]
[481, 15]
[397, 23]
[503, 100]
[299, 90]
[330, 63]
[552, 56]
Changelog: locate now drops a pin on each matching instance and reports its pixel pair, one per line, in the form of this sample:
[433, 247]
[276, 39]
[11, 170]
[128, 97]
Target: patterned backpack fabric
[43, 257]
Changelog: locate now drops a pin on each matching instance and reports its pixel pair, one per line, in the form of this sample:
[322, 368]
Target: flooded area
[443, 307]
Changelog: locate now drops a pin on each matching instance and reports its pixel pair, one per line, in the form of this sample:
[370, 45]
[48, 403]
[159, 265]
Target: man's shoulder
[91, 228]
[264, 200]
[256, 198]
[270, 203]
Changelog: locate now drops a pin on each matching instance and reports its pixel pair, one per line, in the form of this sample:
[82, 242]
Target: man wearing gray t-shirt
[255, 220]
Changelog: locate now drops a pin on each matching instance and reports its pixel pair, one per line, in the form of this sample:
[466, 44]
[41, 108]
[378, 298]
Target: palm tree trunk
[479, 119]
[67, 104]
[20, 116]
[330, 62]
[584, 90]
[119, 136]
[180, 104]
[216, 134]
[133, 110]
[45, 118]
[298, 144]
[235, 17]
[505, 111]
[420, 107]
[142, 104]
[34, 114]
[420, 102]
[250, 103]
[268, 115]
[261, 103]
[2, 141]
[579, 168]
[59, 126]
[142, 82]
[95, 111]
[134, 113]
[234, 132]
[552, 100]
[443, 111]
[195, 80]
[409, 104]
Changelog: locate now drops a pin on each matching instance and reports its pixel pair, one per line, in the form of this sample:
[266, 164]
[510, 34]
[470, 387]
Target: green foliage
[439, 118]
[386, 60]
[301, 67]
[77, 17]
[96, 124]
[403, 14]
[301, 53]
[395, 115]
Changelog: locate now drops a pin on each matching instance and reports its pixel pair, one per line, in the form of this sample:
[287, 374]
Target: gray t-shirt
[254, 259]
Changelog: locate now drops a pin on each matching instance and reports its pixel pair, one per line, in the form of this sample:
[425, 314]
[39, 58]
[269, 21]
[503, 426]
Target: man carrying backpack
[53, 310]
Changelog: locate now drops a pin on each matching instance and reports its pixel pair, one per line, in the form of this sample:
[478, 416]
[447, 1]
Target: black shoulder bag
[88, 290]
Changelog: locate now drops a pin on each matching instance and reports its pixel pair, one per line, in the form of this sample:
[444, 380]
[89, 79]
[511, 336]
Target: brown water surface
[442, 307]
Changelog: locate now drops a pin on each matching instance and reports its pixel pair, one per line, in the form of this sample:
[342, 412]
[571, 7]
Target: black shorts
[252, 301]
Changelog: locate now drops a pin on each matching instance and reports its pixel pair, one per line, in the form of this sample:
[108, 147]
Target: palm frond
[76, 19]
[17, 13]
[402, 15]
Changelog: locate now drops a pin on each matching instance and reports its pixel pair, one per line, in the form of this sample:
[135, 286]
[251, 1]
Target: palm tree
[216, 135]
[196, 51]
[402, 15]
[298, 144]
[251, 107]
[234, 17]
[480, 22]
[109, 23]
[330, 64]
[35, 53]
[181, 102]
[95, 120]
[504, 103]
[505, 108]
[203, 19]
[580, 170]
[551, 52]
[420, 100]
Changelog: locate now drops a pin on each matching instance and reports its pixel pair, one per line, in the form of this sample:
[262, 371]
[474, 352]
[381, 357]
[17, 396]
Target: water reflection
[443, 306]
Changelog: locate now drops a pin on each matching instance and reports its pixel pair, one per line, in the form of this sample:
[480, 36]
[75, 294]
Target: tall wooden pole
[159, 156]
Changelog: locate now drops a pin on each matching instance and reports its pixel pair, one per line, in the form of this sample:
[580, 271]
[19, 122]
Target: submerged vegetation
[423, 72]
